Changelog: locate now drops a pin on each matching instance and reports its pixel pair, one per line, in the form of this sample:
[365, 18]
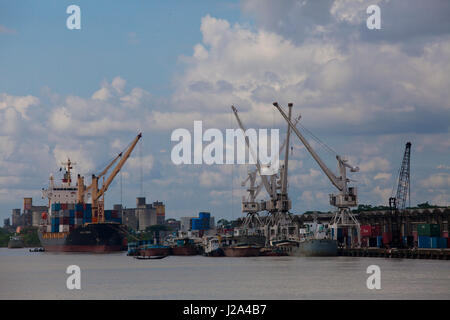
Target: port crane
[279, 204]
[398, 203]
[347, 196]
[403, 187]
[93, 188]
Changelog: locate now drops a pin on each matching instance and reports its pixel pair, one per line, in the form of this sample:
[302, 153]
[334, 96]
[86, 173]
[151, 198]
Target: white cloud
[375, 164]
[436, 181]
[382, 176]
[383, 194]
[19, 103]
[351, 11]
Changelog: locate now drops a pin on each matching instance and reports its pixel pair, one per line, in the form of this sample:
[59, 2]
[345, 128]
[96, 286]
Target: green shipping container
[428, 230]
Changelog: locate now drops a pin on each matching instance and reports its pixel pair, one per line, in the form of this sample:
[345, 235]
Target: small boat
[212, 247]
[242, 250]
[15, 242]
[149, 257]
[272, 252]
[151, 250]
[37, 250]
[184, 247]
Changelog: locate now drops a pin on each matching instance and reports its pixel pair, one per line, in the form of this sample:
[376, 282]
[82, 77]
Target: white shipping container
[63, 228]
[49, 228]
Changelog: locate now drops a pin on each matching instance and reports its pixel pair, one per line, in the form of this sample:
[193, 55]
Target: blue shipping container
[434, 242]
[379, 241]
[442, 243]
[424, 242]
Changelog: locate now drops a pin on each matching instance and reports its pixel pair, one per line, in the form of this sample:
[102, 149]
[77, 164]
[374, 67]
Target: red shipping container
[63, 206]
[79, 215]
[415, 235]
[364, 242]
[376, 230]
[444, 234]
[366, 231]
[448, 242]
[387, 237]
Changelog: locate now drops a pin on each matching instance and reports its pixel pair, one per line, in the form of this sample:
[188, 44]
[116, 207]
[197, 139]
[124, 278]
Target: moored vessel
[15, 242]
[211, 247]
[72, 224]
[152, 250]
[315, 241]
[184, 247]
[241, 250]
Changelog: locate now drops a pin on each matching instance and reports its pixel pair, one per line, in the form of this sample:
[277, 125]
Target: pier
[436, 254]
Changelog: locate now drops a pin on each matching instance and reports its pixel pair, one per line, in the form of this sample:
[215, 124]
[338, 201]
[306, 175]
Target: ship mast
[67, 176]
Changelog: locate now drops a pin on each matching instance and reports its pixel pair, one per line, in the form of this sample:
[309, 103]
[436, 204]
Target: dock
[436, 254]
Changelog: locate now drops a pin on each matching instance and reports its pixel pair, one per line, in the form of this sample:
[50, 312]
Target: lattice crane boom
[403, 185]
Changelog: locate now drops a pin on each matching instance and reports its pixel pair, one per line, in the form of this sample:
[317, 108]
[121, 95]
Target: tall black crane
[398, 203]
[403, 187]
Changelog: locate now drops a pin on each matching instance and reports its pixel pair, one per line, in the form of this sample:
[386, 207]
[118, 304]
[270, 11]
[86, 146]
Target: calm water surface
[26, 275]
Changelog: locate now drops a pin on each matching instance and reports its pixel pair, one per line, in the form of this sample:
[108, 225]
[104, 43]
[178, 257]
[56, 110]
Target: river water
[26, 275]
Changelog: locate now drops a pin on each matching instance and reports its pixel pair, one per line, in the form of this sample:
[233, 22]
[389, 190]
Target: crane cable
[320, 142]
[140, 170]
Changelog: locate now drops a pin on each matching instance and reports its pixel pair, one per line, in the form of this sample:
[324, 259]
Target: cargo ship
[72, 224]
[316, 240]
[71, 227]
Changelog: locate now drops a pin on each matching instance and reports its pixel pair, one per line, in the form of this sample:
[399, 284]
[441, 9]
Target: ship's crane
[347, 196]
[96, 193]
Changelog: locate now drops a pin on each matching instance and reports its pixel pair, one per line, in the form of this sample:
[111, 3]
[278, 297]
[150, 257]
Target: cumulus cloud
[375, 164]
[436, 181]
[19, 103]
[382, 175]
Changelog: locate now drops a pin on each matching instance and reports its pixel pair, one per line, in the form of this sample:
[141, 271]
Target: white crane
[279, 204]
[347, 196]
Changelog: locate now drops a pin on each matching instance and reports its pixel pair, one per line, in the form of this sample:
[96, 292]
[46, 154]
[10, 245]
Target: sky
[156, 66]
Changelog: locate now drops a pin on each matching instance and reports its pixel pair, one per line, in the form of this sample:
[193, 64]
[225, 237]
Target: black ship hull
[94, 237]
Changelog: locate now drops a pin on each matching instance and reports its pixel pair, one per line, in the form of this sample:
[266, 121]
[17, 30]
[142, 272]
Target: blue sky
[140, 40]
[155, 66]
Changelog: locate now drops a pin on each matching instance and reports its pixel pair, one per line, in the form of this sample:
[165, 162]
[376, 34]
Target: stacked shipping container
[429, 236]
[67, 216]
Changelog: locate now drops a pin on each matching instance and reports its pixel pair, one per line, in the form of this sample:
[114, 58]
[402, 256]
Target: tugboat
[212, 247]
